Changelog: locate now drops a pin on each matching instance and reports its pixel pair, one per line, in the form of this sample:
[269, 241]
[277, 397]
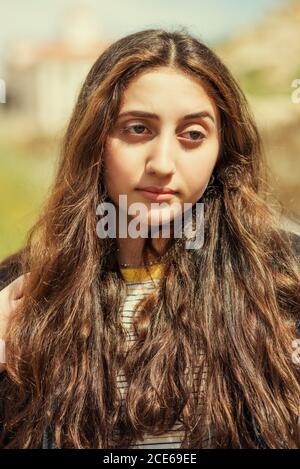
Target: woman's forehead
[166, 93]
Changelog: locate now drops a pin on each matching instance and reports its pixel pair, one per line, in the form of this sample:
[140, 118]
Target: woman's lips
[157, 195]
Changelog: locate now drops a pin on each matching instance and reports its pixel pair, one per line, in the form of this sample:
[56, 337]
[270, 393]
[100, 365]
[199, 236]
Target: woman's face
[163, 148]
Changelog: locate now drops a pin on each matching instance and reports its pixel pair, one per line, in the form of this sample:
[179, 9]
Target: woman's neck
[130, 250]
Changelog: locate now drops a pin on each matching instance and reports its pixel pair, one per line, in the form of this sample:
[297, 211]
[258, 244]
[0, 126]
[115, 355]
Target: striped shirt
[140, 284]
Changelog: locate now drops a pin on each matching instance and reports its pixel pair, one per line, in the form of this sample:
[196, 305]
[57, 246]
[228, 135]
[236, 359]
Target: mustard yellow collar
[140, 274]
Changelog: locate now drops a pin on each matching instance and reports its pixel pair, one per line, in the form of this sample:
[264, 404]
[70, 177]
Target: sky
[212, 20]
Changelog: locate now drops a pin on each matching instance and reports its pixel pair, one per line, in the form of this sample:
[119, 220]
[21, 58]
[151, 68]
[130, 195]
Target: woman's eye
[138, 129]
[196, 135]
[135, 126]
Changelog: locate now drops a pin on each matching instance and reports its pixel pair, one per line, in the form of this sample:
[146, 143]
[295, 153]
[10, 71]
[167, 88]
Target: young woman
[125, 342]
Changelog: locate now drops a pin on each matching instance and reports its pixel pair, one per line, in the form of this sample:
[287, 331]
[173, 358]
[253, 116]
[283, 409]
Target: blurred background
[48, 47]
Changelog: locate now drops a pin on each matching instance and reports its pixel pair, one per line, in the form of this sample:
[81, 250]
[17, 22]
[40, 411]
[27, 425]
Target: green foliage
[26, 173]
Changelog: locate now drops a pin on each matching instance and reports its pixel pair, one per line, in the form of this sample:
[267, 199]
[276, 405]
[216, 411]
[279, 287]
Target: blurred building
[43, 80]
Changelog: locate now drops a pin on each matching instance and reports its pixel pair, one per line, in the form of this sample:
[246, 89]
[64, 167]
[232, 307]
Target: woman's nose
[161, 159]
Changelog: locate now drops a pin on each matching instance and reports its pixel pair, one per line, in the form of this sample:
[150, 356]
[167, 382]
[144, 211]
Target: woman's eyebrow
[195, 115]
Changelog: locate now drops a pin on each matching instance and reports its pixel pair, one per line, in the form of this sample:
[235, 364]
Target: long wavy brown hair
[226, 312]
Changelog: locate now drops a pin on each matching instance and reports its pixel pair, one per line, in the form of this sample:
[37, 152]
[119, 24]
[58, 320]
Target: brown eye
[139, 128]
[197, 136]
